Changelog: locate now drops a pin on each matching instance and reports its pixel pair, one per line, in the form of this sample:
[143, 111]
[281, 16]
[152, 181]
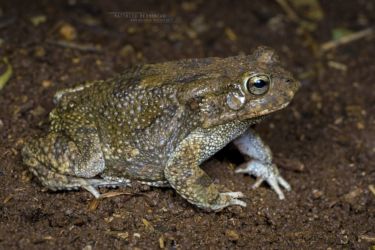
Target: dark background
[324, 141]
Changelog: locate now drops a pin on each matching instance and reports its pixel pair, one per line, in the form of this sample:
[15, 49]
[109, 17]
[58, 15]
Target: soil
[324, 141]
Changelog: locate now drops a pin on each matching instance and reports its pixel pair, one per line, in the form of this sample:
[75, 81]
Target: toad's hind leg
[56, 181]
[63, 163]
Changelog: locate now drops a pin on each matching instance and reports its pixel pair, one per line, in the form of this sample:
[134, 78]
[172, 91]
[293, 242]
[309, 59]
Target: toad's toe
[265, 172]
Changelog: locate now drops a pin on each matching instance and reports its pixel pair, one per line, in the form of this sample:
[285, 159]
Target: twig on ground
[77, 46]
[113, 194]
[4, 78]
[346, 39]
[288, 10]
[93, 205]
[372, 189]
[367, 238]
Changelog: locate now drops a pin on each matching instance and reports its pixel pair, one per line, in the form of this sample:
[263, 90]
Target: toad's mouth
[243, 116]
[261, 113]
[266, 112]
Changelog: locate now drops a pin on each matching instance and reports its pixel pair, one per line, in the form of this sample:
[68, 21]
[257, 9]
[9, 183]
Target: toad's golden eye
[258, 84]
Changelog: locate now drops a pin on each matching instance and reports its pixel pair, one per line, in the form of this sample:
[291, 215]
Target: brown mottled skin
[157, 123]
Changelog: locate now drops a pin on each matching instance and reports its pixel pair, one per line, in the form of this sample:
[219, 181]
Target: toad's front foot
[265, 172]
[228, 199]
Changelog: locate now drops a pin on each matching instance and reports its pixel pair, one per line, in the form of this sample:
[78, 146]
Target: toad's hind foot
[265, 172]
[55, 181]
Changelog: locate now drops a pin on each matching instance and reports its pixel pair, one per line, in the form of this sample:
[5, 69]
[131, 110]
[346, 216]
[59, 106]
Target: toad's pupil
[259, 83]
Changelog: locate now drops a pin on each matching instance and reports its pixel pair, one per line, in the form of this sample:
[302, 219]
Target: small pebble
[39, 110]
[232, 235]
[317, 193]
[127, 50]
[37, 20]
[68, 32]
[351, 196]
[230, 34]
[46, 84]
[189, 6]
[39, 52]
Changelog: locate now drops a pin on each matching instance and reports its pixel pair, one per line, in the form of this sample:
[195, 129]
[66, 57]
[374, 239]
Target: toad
[156, 123]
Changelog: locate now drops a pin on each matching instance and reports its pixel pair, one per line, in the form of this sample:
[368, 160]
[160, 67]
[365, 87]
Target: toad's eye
[258, 85]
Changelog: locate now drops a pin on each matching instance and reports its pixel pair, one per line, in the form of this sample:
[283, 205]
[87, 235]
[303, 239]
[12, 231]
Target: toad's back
[137, 127]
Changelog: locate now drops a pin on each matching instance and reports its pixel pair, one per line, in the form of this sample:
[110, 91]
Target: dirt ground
[324, 141]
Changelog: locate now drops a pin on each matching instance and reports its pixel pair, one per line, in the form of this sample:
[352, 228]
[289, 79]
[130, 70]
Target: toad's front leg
[191, 182]
[261, 165]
